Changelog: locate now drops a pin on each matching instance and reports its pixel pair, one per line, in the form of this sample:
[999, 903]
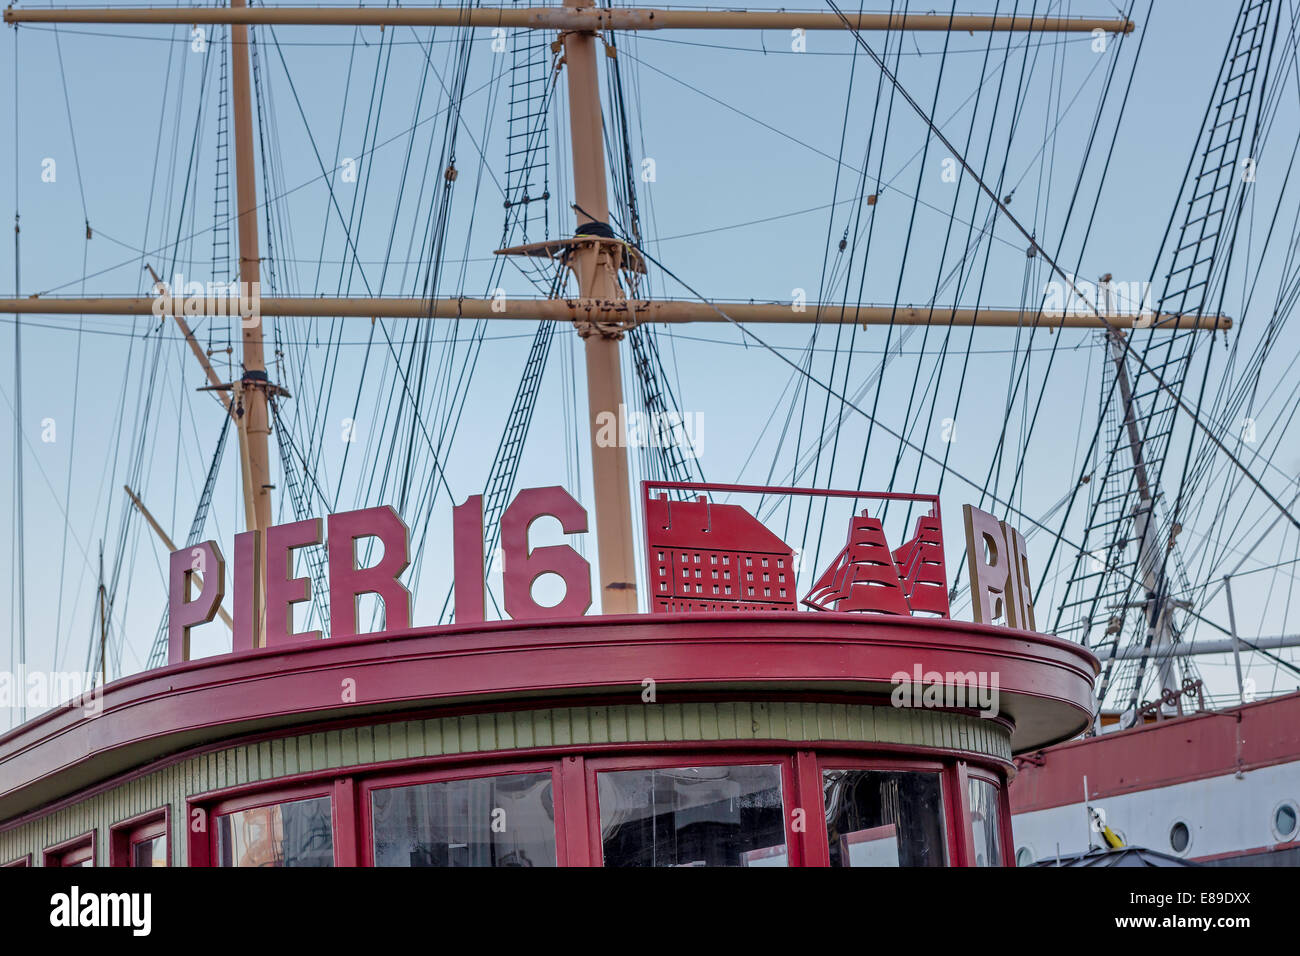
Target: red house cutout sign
[710, 557]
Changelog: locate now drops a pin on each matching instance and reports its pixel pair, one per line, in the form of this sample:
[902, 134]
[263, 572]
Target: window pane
[489, 821]
[149, 852]
[884, 818]
[79, 856]
[984, 823]
[297, 833]
[694, 816]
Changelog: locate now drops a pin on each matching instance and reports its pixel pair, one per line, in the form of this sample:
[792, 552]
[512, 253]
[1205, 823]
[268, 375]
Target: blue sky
[744, 134]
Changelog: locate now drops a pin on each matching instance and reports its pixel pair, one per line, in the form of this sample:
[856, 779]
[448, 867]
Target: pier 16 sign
[701, 555]
[202, 568]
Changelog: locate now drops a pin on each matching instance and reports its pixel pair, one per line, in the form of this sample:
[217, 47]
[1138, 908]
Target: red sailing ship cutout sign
[702, 554]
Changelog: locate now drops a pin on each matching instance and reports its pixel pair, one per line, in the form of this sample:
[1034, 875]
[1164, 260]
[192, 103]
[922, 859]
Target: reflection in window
[695, 816]
[297, 833]
[490, 821]
[151, 851]
[884, 818]
[984, 826]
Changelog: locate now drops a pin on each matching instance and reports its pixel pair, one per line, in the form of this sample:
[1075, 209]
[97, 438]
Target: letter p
[184, 613]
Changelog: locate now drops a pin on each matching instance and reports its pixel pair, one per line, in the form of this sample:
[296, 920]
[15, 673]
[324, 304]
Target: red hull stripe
[1259, 734]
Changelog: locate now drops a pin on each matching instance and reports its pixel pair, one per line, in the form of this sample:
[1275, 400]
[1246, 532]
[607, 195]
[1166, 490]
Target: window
[985, 822]
[884, 818]
[1180, 837]
[1285, 821]
[77, 852]
[141, 841]
[693, 816]
[294, 833]
[150, 852]
[505, 820]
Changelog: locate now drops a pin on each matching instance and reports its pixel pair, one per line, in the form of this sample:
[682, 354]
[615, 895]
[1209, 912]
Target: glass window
[1285, 820]
[984, 823]
[884, 818]
[82, 853]
[151, 851]
[693, 816]
[506, 820]
[140, 841]
[297, 833]
[1180, 837]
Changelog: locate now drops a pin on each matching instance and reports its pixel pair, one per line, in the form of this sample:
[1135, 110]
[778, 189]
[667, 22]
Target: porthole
[1024, 856]
[1180, 837]
[1286, 821]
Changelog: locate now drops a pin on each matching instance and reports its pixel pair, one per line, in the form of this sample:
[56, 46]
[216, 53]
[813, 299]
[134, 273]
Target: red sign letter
[467, 556]
[247, 573]
[521, 567]
[204, 561]
[283, 590]
[347, 581]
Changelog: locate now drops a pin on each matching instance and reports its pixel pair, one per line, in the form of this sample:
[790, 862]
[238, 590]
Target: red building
[732, 736]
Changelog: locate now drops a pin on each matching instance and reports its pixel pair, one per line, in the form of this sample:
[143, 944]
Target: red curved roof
[1045, 683]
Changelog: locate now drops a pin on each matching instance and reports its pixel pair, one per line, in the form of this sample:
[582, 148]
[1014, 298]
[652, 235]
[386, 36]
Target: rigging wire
[815, 381]
[1129, 352]
[76, 367]
[20, 552]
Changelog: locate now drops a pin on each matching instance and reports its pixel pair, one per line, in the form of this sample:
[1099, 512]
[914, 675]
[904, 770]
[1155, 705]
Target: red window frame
[123, 837]
[829, 760]
[203, 814]
[967, 773]
[24, 860]
[72, 852]
[464, 772]
[576, 797]
[796, 849]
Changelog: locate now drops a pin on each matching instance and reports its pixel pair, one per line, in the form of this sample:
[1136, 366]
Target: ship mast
[602, 313]
[596, 265]
[251, 391]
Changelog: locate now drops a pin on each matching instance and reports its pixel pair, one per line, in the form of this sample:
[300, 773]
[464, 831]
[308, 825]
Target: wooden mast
[596, 263]
[253, 387]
